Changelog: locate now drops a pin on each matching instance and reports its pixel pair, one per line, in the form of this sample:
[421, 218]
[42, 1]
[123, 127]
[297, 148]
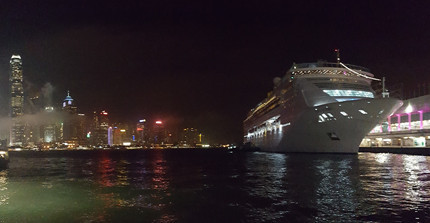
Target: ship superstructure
[318, 107]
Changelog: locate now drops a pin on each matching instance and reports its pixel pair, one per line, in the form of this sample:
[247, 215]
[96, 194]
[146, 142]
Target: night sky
[200, 64]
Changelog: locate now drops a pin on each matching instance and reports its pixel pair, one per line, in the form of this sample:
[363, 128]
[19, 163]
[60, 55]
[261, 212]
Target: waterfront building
[190, 137]
[99, 130]
[82, 129]
[71, 122]
[141, 132]
[122, 135]
[68, 104]
[32, 130]
[158, 133]
[409, 126]
[33, 135]
[51, 129]
[16, 101]
[110, 136]
[116, 136]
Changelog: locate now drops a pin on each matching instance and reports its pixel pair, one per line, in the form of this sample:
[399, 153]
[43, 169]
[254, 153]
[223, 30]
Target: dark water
[213, 186]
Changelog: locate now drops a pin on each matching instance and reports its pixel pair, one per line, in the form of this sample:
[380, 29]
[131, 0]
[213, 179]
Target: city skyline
[36, 123]
[200, 64]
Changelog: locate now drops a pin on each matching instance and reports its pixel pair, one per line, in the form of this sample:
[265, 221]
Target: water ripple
[214, 186]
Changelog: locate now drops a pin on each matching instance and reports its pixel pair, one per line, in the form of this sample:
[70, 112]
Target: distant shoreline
[425, 151]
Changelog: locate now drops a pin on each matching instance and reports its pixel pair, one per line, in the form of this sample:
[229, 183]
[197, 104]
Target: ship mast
[385, 93]
[337, 55]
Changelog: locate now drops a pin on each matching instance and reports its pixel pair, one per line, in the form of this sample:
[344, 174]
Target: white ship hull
[338, 134]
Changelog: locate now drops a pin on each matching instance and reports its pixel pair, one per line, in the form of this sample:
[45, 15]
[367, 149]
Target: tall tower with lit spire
[71, 123]
[68, 104]
[16, 101]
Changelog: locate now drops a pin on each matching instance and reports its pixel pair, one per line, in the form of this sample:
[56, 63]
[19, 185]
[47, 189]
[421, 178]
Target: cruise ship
[318, 108]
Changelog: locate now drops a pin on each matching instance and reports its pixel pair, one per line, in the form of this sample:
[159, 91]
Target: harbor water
[213, 185]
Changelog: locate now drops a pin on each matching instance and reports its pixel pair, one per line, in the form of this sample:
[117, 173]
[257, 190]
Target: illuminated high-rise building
[141, 132]
[68, 104]
[83, 128]
[16, 101]
[120, 136]
[100, 129]
[191, 137]
[50, 134]
[71, 122]
[110, 136]
[158, 133]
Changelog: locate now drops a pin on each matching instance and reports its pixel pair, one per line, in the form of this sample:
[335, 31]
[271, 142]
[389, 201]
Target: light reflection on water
[4, 196]
[213, 186]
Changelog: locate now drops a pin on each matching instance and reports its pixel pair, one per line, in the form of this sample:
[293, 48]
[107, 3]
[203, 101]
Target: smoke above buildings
[45, 118]
[39, 119]
[5, 124]
[47, 93]
[38, 110]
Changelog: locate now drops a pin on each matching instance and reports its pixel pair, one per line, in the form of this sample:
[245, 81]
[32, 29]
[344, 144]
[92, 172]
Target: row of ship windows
[336, 80]
[265, 132]
[321, 71]
[266, 125]
[324, 117]
[267, 108]
[343, 86]
[349, 93]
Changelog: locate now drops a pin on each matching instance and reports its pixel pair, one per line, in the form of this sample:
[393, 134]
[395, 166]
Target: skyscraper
[50, 135]
[100, 127]
[158, 133]
[68, 104]
[191, 137]
[141, 132]
[71, 122]
[16, 101]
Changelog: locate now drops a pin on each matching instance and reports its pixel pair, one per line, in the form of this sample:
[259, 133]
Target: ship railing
[327, 64]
